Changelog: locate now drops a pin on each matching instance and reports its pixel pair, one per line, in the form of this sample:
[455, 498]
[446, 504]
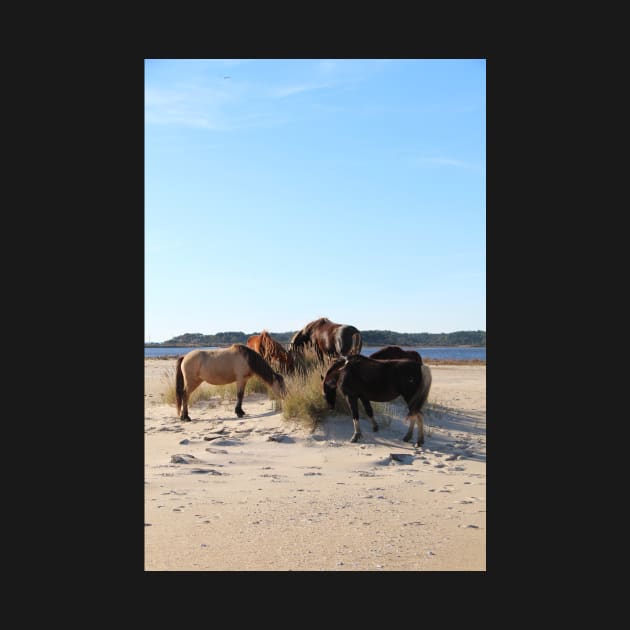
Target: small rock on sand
[183, 458]
[402, 458]
[280, 438]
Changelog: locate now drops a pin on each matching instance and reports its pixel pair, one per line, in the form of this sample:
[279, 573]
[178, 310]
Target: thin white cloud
[290, 90]
[187, 105]
[161, 98]
[212, 103]
[447, 161]
[184, 121]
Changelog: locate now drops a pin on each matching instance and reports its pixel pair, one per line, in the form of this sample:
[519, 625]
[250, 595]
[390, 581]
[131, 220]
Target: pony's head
[279, 387]
[329, 382]
[299, 340]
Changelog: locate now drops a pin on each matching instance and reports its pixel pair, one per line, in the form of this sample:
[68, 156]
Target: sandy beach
[262, 493]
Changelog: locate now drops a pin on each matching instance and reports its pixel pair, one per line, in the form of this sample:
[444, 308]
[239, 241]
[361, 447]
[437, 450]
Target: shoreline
[429, 362]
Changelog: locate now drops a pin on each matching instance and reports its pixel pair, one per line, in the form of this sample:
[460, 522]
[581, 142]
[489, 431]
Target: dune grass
[304, 401]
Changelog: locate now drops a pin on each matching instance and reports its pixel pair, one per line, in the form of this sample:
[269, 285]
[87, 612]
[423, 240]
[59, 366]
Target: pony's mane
[264, 338]
[258, 365]
[267, 340]
[277, 346]
[337, 364]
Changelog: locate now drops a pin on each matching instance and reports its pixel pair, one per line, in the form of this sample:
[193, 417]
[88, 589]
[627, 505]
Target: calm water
[425, 353]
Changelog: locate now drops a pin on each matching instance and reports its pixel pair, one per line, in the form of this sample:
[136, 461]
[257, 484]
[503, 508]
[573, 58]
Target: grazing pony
[272, 351]
[220, 367]
[363, 378]
[328, 339]
[394, 352]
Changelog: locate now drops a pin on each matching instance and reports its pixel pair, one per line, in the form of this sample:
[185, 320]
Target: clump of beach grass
[304, 401]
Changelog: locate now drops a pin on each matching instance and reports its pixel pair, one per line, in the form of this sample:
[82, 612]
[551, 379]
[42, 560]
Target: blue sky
[280, 191]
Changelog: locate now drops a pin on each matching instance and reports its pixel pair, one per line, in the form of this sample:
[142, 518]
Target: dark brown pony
[328, 339]
[238, 363]
[272, 351]
[365, 379]
[394, 352]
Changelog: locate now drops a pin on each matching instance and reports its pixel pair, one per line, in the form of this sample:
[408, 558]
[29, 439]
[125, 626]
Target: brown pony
[238, 363]
[365, 379]
[272, 351]
[253, 342]
[394, 352]
[328, 339]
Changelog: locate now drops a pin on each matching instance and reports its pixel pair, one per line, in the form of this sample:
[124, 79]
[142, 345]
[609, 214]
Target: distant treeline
[370, 338]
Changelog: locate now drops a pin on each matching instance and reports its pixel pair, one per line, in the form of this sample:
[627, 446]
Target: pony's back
[395, 352]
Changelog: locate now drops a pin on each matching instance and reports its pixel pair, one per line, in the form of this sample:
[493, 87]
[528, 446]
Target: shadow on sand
[443, 429]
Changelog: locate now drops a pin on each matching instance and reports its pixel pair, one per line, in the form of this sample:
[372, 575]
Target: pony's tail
[179, 384]
[420, 397]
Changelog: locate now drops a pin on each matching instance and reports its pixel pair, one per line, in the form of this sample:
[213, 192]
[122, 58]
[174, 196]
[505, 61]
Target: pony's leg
[415, 418]
[353, 403]
[189, 388]
[420, 423]
[370, 413]
[184, 415]
[412, 420]
[240, 391]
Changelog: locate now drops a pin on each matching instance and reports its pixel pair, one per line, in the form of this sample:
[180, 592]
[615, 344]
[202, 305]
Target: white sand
[315, 501]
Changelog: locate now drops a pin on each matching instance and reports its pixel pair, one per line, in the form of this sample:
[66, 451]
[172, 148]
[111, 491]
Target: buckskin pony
[328, 339]
[380, 380]
[238, 363]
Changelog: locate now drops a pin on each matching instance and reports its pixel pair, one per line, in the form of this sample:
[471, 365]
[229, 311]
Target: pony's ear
[321, 376]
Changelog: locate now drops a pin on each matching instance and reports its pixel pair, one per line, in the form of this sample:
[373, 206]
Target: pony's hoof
[419, 443]
[406, 438]
[241, 414]
[355, 438]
